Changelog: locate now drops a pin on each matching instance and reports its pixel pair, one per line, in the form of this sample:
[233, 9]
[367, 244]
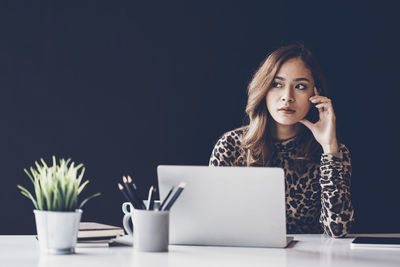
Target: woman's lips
[286, 110]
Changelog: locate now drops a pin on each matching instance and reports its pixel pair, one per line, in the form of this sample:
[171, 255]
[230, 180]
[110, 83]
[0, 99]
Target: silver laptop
[226, 206]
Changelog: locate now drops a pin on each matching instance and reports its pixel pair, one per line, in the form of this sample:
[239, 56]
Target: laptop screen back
[232, 206]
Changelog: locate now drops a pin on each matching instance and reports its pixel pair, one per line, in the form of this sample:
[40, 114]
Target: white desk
[308, 250]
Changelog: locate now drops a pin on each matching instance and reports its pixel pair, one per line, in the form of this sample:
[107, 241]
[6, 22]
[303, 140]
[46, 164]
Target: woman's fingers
[322, 103]
[318, 99]
[316, 91]
[325, 105]
[325, 110]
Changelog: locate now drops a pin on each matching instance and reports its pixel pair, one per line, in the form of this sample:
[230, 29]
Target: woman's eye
[277, 85]
[301, 87]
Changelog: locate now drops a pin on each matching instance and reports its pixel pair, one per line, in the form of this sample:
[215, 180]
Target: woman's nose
[287, 96]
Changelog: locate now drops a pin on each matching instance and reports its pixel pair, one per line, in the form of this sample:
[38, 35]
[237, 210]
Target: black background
[123, 86]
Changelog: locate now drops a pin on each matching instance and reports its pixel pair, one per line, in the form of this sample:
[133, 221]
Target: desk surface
[307, 250]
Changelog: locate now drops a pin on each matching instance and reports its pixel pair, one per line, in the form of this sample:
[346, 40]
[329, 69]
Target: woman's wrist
[331, 148]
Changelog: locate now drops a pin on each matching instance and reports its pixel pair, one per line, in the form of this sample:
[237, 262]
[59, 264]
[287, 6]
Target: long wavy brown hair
[257, 139]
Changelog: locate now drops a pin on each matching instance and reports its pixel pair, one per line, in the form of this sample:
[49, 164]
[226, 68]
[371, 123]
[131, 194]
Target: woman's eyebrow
[301, 79]
[296, 80]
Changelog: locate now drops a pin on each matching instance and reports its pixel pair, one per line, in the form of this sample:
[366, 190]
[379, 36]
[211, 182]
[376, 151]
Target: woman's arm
[337, 213]
[335, 170]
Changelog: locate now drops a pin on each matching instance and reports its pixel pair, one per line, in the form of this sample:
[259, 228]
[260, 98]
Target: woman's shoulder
[233, 138]
[228, 150]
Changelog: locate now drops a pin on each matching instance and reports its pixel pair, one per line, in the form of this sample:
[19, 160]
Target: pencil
[130, 181]
[175, 196]
[135, 194]
[129, 193]
[166, 198]
[121, 188]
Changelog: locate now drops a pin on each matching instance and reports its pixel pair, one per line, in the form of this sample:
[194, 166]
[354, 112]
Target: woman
[292, 126]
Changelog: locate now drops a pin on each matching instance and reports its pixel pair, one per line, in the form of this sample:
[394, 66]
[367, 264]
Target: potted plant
[57, 210]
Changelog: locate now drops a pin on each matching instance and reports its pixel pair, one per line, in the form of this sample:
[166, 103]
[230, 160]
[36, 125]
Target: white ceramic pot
[57, 230]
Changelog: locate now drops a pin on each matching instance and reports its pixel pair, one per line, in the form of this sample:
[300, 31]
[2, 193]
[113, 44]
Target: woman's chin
[287, 121]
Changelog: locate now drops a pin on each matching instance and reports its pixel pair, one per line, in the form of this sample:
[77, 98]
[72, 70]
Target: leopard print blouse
[317, 193]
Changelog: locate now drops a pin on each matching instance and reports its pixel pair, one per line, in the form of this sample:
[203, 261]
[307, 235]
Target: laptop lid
[227, 206]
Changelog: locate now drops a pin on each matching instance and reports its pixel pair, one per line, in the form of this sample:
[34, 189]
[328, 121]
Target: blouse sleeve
[337, 213]
[226, 151]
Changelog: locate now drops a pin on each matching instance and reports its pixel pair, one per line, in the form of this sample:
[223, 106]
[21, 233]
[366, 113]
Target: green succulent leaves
[56, 187]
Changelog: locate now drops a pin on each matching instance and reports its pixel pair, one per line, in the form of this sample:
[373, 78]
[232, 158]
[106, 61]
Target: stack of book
[92, 234]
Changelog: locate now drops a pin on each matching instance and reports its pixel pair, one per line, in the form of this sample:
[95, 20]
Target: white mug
[127, 208]
[150, 228]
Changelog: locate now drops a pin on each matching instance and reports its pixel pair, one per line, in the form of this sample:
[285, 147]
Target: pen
[135, 194]
[166, 198]
[150, 198]
[129, 193]
[121, 188]
[175, 196]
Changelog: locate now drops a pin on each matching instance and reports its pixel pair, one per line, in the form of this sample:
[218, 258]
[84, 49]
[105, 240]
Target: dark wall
[125, 86]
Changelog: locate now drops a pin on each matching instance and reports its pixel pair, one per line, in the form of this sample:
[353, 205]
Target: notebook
[371, 242]
[226, 206]
[98, 231]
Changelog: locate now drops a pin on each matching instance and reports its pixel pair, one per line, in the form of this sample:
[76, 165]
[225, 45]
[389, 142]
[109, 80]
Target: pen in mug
[175, 196]
[150, 199]
[129, 193]
[121, 188]
[135, 194]
[166, 198]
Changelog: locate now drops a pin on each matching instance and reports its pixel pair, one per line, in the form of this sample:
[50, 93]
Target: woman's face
[288, 97]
